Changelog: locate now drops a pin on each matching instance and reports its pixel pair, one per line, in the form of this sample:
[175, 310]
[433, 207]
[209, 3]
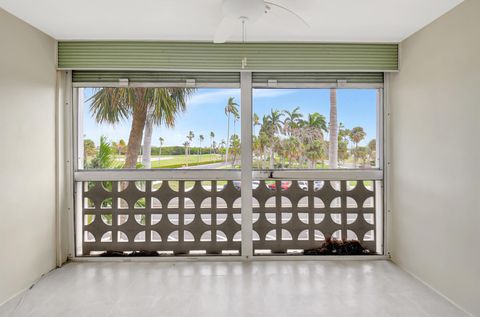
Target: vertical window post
[246, 155]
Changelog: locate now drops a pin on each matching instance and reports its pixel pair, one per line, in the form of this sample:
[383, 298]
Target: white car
[317, 185]
[237, 184]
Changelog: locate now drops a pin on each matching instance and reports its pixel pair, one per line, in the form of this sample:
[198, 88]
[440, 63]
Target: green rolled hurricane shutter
[88, 76]
[263, 78]
[228, 57]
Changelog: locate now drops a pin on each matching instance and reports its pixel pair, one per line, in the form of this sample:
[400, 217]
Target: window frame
[246, 173]
[380, 133]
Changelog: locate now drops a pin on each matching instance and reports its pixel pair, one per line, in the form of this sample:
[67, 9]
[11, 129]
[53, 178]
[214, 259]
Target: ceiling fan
[240, 12]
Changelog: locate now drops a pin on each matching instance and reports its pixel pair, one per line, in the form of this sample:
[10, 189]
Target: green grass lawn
[176, 161]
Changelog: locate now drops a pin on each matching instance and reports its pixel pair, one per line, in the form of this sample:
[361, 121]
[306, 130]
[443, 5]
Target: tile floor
[293, 288]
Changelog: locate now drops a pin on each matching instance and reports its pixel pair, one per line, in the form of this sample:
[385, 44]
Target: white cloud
[214, 96]
[271, 93]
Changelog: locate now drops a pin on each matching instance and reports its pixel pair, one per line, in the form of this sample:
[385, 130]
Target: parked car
[284, 185]
[237, 184]
[317, 185]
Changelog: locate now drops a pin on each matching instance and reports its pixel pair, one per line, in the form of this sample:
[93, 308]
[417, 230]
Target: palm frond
[110, 104]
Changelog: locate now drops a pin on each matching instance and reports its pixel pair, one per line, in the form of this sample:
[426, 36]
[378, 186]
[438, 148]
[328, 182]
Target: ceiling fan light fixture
[245, 10]
[250, 9]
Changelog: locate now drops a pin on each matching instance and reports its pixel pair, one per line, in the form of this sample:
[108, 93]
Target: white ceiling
[196, 20]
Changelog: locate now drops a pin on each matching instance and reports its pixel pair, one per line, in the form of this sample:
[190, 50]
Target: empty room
[240, 158]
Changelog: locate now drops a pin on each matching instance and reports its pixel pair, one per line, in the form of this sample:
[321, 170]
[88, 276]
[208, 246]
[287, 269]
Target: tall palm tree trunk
[333, 133]
[135, 139]
[147, 140]
[272, 155]
[355, 156]
[228, 138]
[264, 159]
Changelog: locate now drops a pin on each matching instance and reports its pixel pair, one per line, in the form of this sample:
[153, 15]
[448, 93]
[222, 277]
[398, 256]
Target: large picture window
[252, 166]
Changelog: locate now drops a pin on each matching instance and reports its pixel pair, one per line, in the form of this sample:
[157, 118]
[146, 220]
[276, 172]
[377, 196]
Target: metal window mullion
[278, 214]
[77, 133]
[164, 174]
[115, 214]
[181, 214]
[380, 131]
[379, 186]
[74, 219]
[343, 209]
[148, 213]
[311, 208]
[213, 213]
[246, 161]
[386, 153]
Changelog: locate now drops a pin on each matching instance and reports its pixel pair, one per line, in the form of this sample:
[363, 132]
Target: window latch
[190, 83]
[341, 82]
[123, 82]
[272, 83]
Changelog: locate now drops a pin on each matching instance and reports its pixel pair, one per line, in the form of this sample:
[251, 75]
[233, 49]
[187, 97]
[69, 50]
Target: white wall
[27, 155]
[435, 102]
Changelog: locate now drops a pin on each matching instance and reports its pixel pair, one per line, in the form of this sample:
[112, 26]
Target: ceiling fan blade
[289, 11]
[225, 29]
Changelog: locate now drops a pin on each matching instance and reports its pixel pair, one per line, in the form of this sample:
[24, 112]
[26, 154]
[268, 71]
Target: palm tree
[200, 139]
[186, 145]
[265, 141]
[274, 126]
[372, 150]
[292, 120]
[214, 147]
[357, 134]
[122, 147]
[104, 156]
[158, 105]
[281, 149]
[256, 121]
[230, 108]
[190, 137]
[256, 148]
[221, 146]
[235, 147]
[361, 152]
[265, 138]
[236, 117]
[333, 131]
[275, 121]
[293, 148]
[316, 121]
[89, 149]
[343, 134]
[160, 141]
[310, 130]
[315, 151]
[173, 96]
[212, 140]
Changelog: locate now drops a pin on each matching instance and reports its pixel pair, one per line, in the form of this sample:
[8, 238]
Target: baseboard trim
[25, 289]
[448, 299]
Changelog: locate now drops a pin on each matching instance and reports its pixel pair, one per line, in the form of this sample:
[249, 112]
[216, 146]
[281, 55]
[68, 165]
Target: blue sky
[205, 112]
